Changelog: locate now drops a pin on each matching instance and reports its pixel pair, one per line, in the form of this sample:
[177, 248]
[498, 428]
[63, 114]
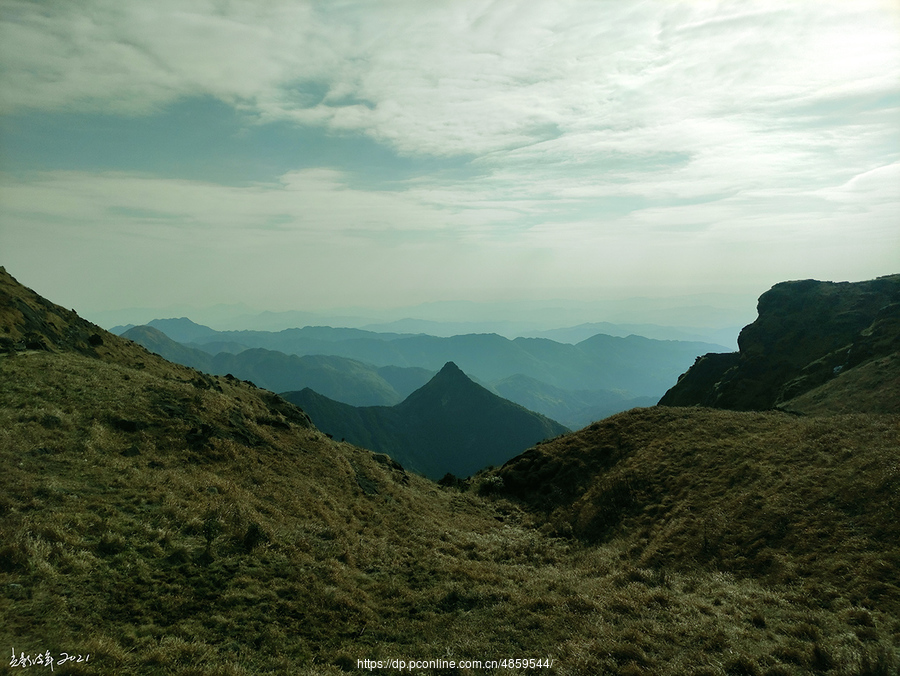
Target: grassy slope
[784, 500]
[268, 548]
[871, 387]
[169, 522]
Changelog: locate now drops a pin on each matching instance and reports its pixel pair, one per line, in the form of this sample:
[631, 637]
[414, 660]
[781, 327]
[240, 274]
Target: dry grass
[169, 525]
[871, 387]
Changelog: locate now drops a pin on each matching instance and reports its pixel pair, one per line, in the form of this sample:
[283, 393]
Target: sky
[309, 155]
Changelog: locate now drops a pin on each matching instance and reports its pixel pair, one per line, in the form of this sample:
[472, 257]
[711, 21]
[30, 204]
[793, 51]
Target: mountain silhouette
[633, 364]
[808, 334]
[450, 425]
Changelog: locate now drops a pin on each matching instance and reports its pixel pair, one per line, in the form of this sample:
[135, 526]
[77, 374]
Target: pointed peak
[450, 367]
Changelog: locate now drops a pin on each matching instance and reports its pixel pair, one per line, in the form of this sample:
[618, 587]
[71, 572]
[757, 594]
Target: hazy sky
[303, 155]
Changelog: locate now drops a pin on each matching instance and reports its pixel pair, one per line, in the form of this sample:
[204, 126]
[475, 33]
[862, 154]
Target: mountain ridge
[340, 378]
[450, 425]
[491, 357]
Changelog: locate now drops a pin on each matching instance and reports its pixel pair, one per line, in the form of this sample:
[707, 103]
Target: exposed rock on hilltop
[30, 322]
[451, 424]
[808, 333]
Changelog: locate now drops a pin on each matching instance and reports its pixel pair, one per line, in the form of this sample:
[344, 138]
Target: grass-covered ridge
[808, 501]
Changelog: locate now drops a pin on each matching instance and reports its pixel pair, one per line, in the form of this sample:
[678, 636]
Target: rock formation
[807, 333]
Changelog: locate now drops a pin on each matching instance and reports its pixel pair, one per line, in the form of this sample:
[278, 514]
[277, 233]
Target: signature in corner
[44, 659]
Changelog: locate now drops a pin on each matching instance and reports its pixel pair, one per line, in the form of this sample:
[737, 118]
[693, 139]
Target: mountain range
[711, 318]
[574, 384]
[450, 425]
[640, 365]
[166, 521]
[347, 380]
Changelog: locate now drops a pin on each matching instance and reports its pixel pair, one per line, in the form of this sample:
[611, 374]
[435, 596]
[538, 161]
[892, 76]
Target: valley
[169, 521]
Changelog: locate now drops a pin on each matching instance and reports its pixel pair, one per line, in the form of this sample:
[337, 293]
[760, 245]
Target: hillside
[807, 334]
[450, 425]
[780, 499]
[168, 522]
[873, 387]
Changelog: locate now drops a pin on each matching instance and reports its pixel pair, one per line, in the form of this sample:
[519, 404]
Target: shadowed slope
[451, 424]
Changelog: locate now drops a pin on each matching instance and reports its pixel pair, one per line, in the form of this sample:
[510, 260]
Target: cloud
[607, 140]
[446, 77]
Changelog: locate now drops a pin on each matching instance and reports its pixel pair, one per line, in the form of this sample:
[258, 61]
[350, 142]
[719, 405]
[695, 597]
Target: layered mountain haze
[573, 408]
[575, 334]
[640, 365]
[572, 383]
[167, 521]
[347, 380]
[450, 425]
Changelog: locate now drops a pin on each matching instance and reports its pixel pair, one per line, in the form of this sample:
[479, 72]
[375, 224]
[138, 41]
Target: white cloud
[612, 138]
[447, 77]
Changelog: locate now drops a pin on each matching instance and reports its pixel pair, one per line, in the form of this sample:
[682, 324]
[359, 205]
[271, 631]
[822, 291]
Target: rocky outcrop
[807, 333]
[31, 322]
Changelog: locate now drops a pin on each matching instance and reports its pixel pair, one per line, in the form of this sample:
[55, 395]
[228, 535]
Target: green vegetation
[168, 522]
[764, 495]
[165, 526]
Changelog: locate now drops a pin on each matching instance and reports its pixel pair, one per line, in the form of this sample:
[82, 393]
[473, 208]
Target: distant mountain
[183, 330]
[808, 334]
[644, 366]
[575, 334]
[278, 321]
[574, 409]
[340, 378]
[358, 384]
[160, 343]
[446, 329]
[218, 346]
[451, 424]
[405, 380]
